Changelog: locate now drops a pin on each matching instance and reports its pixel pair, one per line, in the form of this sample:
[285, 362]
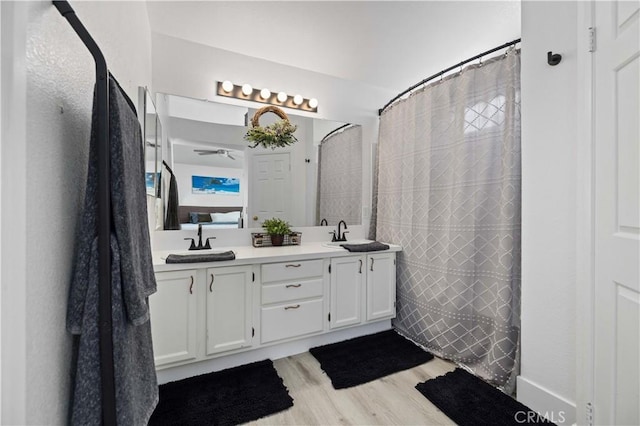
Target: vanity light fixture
[248, 93]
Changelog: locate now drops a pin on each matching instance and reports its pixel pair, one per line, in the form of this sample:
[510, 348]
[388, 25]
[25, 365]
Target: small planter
[277, 240]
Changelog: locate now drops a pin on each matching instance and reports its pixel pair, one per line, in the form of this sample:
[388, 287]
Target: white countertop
[249, 255]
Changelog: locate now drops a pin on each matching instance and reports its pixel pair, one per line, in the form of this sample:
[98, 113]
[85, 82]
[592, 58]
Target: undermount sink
[339, 243]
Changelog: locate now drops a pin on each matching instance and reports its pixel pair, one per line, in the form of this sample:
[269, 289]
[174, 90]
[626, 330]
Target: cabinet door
[381, 286]
[346, 290]
[173, 317]
[229, 315]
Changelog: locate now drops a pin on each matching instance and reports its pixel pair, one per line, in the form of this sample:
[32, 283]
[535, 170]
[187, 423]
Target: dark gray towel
[172, 222]
[135, 374]
[374, 246]
[200, 257]
[132, 282]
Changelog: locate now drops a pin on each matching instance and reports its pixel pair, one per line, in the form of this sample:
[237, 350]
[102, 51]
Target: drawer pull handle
[371, 269]
[291, 307]
[191, 285]
[211, 284]
[360, 271]
[291, 265]
[293, 285]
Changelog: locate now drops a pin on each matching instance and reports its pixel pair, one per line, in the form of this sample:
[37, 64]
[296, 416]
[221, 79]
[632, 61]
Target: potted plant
[277, 229]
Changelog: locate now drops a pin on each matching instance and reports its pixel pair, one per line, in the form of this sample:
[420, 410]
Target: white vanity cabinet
[357, 280]
[292, 299]
[228, 311]
[200, 313]
[173, 317]
[266, 304]
[381, 286]
[346, 291]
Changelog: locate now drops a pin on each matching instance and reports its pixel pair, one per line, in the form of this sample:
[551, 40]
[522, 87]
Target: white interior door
[270, 188]
[617, 213]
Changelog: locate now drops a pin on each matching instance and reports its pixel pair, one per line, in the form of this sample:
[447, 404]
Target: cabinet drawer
[291, 320]
[291, 270]
[284, 292]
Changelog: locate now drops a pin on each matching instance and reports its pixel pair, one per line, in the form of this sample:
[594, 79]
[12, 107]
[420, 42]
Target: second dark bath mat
[228, 397]
[363, 359]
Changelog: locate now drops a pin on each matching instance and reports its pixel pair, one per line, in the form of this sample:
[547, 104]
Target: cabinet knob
[360, 270]
[255, 218]
[291, 265]
[191, 285]
[371, 269]
[211, 284]
[293, 285]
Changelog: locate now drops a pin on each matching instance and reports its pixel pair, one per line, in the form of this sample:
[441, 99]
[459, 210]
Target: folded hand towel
[200, 257]
[374, 246]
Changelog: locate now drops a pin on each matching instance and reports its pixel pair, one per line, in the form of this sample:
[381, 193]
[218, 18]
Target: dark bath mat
[363, 359]
[469, 401]
[227, 397]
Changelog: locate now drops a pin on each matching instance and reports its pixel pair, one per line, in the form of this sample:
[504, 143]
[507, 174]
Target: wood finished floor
[391, 400]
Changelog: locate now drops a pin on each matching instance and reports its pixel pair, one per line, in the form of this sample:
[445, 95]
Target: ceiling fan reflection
[223, 152]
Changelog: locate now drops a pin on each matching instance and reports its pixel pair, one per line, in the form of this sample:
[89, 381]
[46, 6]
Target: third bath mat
[469, 401]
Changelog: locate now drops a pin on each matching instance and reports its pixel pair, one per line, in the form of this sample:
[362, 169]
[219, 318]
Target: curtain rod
[428, 79]
[105, 326]
[336, 130]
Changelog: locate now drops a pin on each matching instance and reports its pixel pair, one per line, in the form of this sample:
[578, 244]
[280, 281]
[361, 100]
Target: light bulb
[247, 89]
[265, 94]
[313, 103]
[227, 86]
[297, 99]
[282, 97]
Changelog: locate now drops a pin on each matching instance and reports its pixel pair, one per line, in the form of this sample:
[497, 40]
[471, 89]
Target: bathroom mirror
[218, 175]
[152, 136]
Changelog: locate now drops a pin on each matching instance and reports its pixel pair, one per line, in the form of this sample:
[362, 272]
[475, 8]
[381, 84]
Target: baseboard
[546, 403]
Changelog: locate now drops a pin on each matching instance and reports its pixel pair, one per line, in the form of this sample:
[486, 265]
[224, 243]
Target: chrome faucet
[341, 236]
[193, 245]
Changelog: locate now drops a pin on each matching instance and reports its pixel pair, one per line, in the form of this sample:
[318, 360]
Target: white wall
[187, 198]
[549, 144]
[51, 81]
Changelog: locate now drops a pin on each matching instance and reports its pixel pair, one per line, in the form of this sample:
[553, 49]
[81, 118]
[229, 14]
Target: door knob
[255, 218]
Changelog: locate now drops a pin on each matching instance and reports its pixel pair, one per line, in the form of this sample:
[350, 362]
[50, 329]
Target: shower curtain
[340, 177]
[448, 191]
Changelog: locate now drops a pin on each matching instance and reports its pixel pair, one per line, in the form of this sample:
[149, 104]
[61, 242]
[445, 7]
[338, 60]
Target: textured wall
[59, 87]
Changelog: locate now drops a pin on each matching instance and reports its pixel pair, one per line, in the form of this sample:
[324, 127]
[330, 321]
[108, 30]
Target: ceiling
[390, 44]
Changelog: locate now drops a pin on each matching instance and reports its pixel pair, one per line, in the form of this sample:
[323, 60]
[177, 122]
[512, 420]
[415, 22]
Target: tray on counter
[260, 239]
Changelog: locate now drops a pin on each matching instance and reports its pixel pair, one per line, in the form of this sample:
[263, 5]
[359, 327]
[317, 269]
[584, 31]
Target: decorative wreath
[276, 135]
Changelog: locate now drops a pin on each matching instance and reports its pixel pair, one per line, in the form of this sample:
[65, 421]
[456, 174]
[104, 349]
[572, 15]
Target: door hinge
[329, 268]
[253, 332]
[592, 39]
[329, 317]
[589, 414]
[253, 277]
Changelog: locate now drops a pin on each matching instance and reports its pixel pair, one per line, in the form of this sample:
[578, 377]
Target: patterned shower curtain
[340, 177]
[448, 191]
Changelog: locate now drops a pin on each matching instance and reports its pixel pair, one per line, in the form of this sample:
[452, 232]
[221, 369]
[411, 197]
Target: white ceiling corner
[390, 44]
